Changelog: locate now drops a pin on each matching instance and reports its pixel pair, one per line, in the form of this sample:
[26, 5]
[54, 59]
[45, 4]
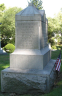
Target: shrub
[54, 47]
[9, 48]
[59, 47]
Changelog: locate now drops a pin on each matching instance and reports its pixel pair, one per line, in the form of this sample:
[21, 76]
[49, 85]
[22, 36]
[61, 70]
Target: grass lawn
[56, 91]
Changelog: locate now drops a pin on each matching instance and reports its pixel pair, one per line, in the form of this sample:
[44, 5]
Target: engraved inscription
[27, 35]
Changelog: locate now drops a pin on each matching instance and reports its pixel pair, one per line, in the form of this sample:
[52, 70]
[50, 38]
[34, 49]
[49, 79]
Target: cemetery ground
[57, 88]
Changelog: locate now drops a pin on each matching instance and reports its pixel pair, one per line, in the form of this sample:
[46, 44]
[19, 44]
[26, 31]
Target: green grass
[55, 54]
[4, 63]
[55, 92]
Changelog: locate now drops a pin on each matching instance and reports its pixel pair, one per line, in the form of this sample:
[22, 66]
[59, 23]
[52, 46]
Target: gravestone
[31, 66]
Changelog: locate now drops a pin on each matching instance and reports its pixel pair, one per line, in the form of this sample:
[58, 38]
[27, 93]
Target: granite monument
[31, 66]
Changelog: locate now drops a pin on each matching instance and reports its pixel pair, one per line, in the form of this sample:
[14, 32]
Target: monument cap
[30, 4]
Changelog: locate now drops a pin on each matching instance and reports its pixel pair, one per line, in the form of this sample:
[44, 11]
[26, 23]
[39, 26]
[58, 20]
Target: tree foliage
[55, 26]
[2, 8]
[59, 16]
[37, 3]
[8, 23]
[50, 28]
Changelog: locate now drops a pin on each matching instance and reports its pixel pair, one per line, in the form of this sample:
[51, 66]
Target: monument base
[24, 81]
[30, 58]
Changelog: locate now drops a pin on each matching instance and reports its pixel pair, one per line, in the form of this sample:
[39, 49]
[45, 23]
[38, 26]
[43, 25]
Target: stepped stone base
[30, 58]
[24, 81]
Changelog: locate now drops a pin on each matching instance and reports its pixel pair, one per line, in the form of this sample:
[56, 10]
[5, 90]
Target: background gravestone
[31, 66]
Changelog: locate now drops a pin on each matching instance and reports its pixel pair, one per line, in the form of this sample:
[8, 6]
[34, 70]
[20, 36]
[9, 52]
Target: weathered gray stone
[27, 36]
[30, 59]
[30, 34]
[21, 81]
[31, 26]
[31, 67]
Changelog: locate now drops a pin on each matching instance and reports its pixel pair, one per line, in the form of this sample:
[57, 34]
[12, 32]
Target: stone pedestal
[30, 59]
[22, 81]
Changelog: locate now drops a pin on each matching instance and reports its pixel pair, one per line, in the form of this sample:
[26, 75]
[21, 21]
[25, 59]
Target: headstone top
[30, 4]
[29, 11]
